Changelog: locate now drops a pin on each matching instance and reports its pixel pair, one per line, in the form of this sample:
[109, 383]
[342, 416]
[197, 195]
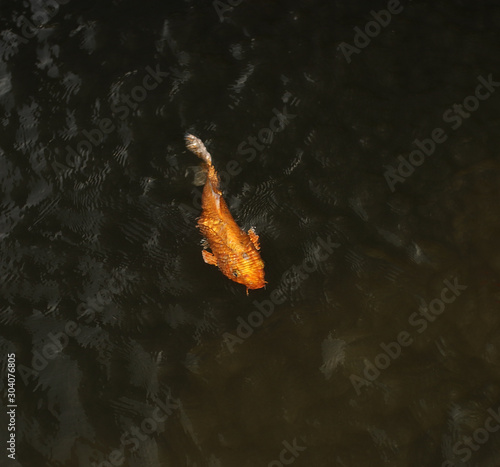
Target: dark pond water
[367, 161]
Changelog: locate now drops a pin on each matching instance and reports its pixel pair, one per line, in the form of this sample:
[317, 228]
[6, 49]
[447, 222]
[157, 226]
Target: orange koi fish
[234, 251]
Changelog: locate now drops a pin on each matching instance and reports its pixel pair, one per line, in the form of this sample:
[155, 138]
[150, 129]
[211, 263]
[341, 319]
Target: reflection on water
[376, 339]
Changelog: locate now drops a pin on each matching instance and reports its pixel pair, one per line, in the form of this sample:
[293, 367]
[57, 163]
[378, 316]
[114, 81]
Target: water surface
[376, 341]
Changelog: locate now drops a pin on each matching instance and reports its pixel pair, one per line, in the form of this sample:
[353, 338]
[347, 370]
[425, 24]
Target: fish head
[248, 269]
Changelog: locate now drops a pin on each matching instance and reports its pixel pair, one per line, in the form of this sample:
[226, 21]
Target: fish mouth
[255, 284]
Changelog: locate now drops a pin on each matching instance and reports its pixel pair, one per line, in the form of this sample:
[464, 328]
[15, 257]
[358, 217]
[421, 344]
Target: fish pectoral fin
[209, 258]
[254, 238]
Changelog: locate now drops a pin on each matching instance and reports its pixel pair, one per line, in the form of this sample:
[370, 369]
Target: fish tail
[196, 146]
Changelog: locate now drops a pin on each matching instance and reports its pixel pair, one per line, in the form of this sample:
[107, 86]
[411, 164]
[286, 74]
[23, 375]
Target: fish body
[234, 251]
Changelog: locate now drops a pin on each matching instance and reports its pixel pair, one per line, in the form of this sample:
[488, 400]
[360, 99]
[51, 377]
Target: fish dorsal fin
[216, 194]
[217, 204]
